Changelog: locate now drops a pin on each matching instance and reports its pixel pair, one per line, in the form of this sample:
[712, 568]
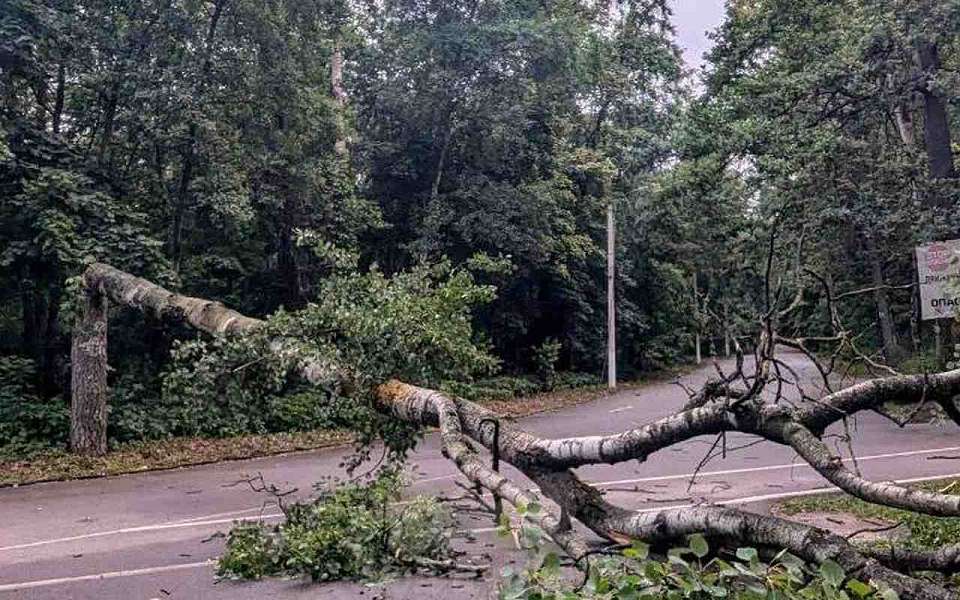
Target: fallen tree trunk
[548, 462]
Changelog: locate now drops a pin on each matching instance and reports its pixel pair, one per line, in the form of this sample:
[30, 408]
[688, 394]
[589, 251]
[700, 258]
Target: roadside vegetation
[33, 459]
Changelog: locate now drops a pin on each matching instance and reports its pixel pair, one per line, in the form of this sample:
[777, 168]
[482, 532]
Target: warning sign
[938, 271]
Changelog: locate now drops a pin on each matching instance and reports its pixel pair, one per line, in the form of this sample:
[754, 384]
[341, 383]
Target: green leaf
[637, 550]
[698, 545]
[859, 589]
[831, 572]
[889, 594]
[748, 554]
[551, 563]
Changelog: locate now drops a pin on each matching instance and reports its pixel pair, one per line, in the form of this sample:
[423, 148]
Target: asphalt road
[148, 535]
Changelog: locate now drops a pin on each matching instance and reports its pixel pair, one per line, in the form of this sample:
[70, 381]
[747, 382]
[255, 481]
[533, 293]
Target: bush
[568, 380]
[545, 359]
[27, 422]
[355, 532]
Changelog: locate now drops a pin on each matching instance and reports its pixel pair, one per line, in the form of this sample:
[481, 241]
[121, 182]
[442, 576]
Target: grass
[925, 531]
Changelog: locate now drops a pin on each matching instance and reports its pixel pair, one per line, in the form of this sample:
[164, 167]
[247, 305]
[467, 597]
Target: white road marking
[140, 529]
[197, 522]
[770, 467]
[223, 514]
[820, 491]
[620, 410]
[160, 569]
[440, 478]
[10, 587]
[731, 471]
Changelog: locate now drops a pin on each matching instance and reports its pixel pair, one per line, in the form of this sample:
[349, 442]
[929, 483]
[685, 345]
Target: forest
[418, 191]
[253, 152]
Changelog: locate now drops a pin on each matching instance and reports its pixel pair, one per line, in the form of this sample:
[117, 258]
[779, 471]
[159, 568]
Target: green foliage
[502, 387]
[205, 148]
[28, 422]
[506, 131]
[353, 532]
[545, 358]
[200, 145]
[693, 572]
[810, 130]
[363, 330]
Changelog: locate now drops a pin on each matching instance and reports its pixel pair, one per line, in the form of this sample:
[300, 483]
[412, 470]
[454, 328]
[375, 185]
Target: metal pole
[611, 304]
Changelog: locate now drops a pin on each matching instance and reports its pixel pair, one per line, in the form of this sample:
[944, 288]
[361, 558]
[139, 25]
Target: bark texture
[936, 124]
[88, 356]
[340, 97]
[465, 433]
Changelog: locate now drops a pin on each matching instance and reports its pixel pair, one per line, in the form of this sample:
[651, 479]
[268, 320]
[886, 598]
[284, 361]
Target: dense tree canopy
[254, 152]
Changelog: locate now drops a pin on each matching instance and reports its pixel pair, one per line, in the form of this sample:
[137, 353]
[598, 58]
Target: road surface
[148, 535]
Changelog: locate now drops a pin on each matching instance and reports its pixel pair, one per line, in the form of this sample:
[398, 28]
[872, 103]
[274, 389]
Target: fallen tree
[738, 402]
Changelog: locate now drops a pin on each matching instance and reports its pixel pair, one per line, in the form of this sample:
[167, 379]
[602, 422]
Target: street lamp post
[611, 301]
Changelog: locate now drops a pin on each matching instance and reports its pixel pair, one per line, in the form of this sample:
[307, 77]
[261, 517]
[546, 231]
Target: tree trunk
[88, 410]
[888, 332]
[58, 102]
[31, 303]
[936, 126]
[109, 116]
[340, 96]
[441, 161]
[289, 270]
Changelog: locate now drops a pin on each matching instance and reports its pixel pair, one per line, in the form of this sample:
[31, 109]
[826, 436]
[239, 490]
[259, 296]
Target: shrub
[354, 532]
[545, 359]
[567, 380]
[493, 388]
[27, 422]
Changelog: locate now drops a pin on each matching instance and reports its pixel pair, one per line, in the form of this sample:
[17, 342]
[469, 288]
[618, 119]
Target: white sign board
[938, 270]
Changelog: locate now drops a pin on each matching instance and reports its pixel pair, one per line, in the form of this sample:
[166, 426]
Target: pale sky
[692, 20]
